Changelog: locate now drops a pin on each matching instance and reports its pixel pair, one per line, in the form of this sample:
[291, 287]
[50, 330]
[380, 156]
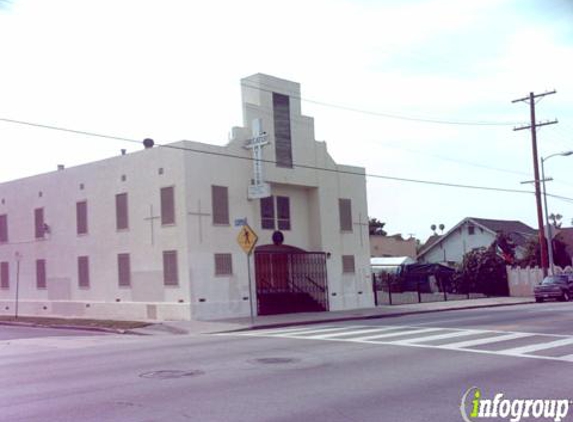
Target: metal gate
[290, 282]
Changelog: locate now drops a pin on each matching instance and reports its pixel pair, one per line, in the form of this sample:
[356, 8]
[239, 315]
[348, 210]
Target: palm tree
[433, 227]
[442, 227]
[556, 220]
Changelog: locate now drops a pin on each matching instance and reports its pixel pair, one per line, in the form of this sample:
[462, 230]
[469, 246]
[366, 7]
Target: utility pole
[533, 126]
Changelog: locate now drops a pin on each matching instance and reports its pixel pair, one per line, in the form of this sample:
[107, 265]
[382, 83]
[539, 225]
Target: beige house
[154, 234]
[389, 246]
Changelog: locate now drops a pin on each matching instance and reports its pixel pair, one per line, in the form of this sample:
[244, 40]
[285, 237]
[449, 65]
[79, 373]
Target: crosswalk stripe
[350, 333]
[309, 331]
[418, 336]
[443, 336]
[535, 347]
[487, 340]
[395, 334]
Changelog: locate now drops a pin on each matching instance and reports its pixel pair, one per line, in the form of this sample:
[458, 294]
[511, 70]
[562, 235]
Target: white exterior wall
[457, 244]
[314, 214]
[146, 298]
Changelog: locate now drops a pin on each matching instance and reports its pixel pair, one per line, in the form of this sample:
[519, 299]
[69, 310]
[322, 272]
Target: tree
[532, 255]
[433, 227]
[504, 246]
[483, 271]
[376, 227]
[442, 227]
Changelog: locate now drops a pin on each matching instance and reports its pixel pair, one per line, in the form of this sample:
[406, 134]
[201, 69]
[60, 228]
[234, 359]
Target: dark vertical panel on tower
[281, 115]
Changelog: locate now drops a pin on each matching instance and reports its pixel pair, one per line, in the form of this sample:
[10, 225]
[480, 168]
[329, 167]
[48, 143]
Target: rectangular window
[82, 217]
[223, 264]
[283, 212]
[41, 273]
[124, 269]
[471, 230]
[121, 212]
[167, 205]
[281, 116]
[4, 275]
[39, 224]
[3, 228]
[170, 272]
[83, 271]
[268, 213]
[345, 211]
[220, 203]
[348, 264]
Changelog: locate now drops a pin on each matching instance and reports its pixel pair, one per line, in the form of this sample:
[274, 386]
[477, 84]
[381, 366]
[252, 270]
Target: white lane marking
[443, 336]
[299, 331]
[385, 334]
[480, 341]
[396, 334]
[351, 333]
[535, 347]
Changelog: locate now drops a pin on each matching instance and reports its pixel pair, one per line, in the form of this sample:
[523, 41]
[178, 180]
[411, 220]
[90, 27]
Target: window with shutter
[283, 212]
[170, 272]
[82, 217]
[41, 273]
[3, 228]
[39, 225]
[268, 213]
[121, 212]
[83, 271]
[220, 204]
[4, 275]
[223, 264]
[348, 264]
[124, 270]
[167, 205]
[345, 211]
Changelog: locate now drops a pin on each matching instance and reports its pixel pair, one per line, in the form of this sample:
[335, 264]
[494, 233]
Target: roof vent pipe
[148, 143]
[61, 167]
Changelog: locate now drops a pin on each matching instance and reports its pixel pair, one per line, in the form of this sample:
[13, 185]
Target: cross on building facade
[151, 219]
[199, 214]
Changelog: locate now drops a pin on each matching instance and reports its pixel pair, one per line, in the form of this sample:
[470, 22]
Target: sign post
[247, 239]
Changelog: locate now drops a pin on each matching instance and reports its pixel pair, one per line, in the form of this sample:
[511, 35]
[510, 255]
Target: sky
[419, 90]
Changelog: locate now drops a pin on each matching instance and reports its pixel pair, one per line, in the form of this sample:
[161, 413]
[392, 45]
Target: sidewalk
[276, 321]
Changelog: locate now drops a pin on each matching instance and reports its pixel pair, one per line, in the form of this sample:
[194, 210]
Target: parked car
[554, 287]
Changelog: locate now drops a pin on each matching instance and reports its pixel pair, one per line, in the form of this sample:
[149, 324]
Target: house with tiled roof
[473, 233]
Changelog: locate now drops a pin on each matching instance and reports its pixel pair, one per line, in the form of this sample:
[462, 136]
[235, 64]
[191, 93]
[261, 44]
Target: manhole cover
[276, 361]
[167, 374]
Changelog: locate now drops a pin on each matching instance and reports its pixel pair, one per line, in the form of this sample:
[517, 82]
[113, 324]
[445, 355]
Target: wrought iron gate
[290, 282]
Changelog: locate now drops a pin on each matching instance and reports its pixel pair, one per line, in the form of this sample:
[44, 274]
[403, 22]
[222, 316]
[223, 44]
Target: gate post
[374, 290]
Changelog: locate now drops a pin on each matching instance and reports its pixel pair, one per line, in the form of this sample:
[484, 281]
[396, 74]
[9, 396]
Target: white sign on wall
[259, 189]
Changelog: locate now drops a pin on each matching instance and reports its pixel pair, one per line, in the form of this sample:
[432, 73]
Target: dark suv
[554, 287]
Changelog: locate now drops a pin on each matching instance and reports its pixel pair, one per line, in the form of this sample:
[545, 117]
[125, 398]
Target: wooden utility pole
[533, 126]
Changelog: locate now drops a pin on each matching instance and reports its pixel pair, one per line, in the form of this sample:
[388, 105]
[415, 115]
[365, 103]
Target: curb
[377, 316]
[66, 327]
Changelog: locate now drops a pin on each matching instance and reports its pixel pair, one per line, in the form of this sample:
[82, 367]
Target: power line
[390, 115]
[302, 166]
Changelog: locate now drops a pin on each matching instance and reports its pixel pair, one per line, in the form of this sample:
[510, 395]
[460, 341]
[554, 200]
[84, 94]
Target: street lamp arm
[563, 154]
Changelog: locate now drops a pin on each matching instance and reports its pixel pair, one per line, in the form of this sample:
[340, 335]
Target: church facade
[155, 234]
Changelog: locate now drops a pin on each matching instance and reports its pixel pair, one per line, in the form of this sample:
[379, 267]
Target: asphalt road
[413, 368]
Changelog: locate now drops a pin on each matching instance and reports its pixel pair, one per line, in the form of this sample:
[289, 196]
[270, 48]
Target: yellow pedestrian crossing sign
[247, 239]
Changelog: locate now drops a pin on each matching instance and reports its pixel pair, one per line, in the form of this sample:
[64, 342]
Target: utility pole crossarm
[549, 122]
[534, 96]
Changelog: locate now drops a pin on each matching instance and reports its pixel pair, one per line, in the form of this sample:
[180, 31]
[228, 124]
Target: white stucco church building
[152, 235]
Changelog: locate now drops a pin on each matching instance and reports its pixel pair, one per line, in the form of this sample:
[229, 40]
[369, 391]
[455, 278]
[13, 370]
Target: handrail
[321, 288]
